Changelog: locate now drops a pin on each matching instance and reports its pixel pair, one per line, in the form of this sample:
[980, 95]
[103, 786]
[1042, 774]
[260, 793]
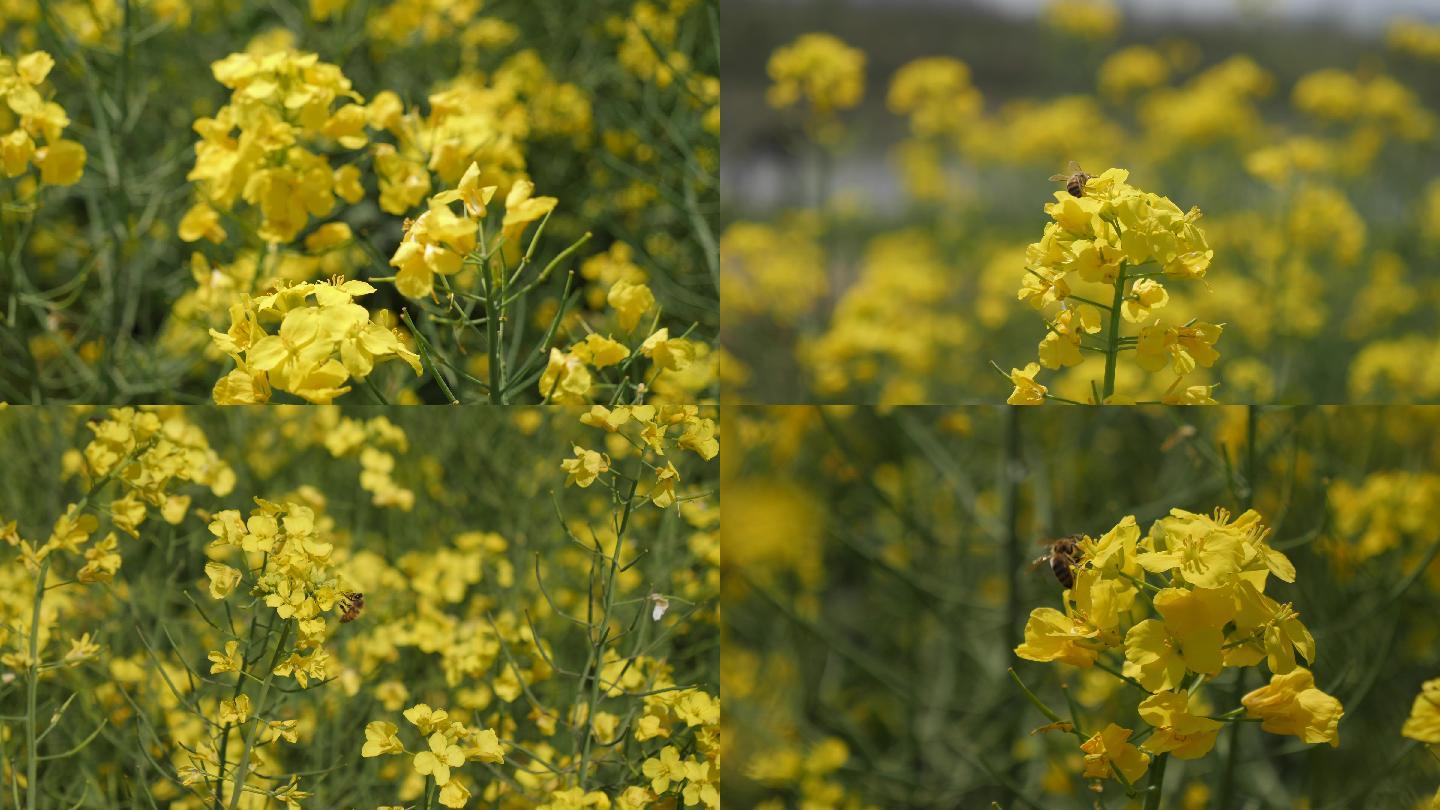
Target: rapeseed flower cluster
[1086, 19]
[1414, 37]
[440, 242]
[32, 125]
[375, 442]
[936, 95]
[599, 363]
[1209, 613]
[295, 576]
[810, 773]
[820, 73]
[1086, 276]
[445, 745]
[775, 270]
[887, 334]
[322, 339]
[1382, 514]
[649, 433]
[269, 147]
[137, 461]
[694, 780]
[284, 561]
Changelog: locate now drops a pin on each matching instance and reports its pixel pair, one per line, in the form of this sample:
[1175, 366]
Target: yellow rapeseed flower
[1290, 704]
[1423, 724]
[1108, 751]
[1177, 729]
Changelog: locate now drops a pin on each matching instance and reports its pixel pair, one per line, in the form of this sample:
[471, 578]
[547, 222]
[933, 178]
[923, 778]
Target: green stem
[1112, 340]
[1035, 701]
[494, 311]
[1011, 474]
[1157, 781]
[426, 361]
[1225, 792]
[242, 769]
[600, 639]
[32, 685]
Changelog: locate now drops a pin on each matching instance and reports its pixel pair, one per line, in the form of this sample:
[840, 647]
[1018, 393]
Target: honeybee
[1074, 181]
[1063, 557]
[351, 604]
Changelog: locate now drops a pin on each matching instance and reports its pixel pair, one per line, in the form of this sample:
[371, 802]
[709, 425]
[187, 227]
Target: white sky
[1372, 14]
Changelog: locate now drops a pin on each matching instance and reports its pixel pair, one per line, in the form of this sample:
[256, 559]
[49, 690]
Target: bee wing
[1059, 178]
[1075, 167]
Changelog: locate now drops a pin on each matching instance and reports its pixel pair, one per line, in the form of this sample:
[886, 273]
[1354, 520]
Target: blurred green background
[878, 576]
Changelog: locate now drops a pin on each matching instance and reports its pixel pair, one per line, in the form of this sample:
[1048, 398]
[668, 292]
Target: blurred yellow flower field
[323, 608]
[895, 179]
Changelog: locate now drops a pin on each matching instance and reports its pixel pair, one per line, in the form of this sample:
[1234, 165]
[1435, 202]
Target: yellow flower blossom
[102, 561]
[1268, 629]
[630, 300]
[521, 209]
[442, 756]
[1290, 704]
[483, 745]
[1050, 635]
[1184, 348]
[936, 94]
[228, 661]
[1109, 751]
[1106, 233]
[565, 379]
[1177, 729]
[585, 467]
[381, 739]
[454, 794]
[1423, 724]
[668, 354]
[234, 711]
[599, 351]
[665, 769]
[1189, 637]
[1200, 551]
[30, 130]
[318, 347]
[1027, 391]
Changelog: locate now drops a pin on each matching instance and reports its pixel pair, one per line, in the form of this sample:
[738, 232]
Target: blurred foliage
[873, 252]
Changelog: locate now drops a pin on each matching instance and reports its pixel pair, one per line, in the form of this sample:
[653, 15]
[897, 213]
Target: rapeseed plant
[1100, 239]
[1213, 614]
[32, 126]
[822, 74]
